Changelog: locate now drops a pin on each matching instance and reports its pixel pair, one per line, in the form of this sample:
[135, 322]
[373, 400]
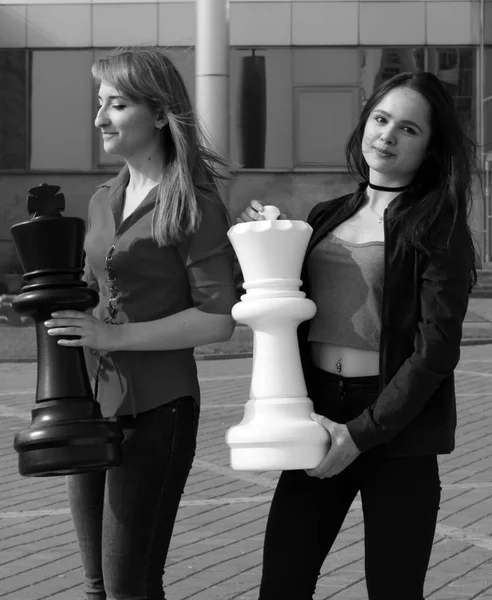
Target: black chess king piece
[68, 434]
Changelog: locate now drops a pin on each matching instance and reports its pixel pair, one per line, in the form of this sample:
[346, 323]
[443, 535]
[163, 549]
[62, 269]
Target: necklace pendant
[381, 219]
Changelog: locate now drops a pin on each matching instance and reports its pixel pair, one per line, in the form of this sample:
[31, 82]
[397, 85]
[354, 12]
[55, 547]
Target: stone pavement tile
[469, 507]
[217, 544]
[461, 572]
[481, 307]
[33, 582]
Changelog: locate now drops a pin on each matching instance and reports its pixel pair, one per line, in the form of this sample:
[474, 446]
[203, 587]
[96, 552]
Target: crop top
[346, 284]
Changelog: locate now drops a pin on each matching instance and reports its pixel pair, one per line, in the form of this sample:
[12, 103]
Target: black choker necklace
[381, 188]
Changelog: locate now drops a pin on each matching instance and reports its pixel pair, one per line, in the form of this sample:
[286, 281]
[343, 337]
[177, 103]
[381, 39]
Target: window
[14, 114]
[184, 60]
[292, 107]
[455, 67]
[380, 64]
[261, 107]
[61, 124]
[326, 105]
[487, 126]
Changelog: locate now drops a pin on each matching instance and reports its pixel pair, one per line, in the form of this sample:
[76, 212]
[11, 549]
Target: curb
[224, 356]
[218, 356]
[234, 356]
[476, 341]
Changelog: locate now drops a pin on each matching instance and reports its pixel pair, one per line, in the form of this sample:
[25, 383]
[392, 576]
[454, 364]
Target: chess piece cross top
[45, 201]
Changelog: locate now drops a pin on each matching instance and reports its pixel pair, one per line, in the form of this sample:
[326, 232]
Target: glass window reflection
[13, 114]
[455, 67]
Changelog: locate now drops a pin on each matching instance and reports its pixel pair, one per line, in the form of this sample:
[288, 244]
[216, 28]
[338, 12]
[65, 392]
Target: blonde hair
[190, 168]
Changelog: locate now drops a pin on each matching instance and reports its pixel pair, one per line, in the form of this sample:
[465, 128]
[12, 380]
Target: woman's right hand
[253, 213]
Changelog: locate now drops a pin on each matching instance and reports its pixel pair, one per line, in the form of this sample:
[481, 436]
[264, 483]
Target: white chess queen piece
[277, 431]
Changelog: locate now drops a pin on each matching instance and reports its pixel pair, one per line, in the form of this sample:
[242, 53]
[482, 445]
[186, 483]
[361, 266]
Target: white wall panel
[324, 116]
[326, 66]
[386, 23]
[58, 26]
[177, 24]
[13, 26]
[453, 23]
[260, 23]
[61, 110]
[324, 23]
[125, 24]
[45, 2]
[121, 1]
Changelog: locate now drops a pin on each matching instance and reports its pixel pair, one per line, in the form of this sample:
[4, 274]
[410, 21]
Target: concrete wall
[79, 23]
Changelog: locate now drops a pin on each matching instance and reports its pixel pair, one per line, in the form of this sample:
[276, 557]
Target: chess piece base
[277, 434]
[284, 457]
[67, 437]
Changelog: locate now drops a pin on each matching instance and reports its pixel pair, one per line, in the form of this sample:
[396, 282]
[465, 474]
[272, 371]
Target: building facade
[300, 73]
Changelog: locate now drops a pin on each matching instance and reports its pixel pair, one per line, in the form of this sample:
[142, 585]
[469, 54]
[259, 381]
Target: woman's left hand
[342, 452]
[93, 333]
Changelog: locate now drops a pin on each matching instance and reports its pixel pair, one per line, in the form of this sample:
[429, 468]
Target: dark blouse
[138, 281]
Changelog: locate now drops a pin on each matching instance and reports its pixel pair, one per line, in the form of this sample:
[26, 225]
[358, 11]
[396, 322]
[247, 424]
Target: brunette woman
[390, 267]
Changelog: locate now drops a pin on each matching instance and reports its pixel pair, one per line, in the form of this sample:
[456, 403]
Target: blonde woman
[158, 254]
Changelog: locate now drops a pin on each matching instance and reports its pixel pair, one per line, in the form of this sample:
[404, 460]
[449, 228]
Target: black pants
[124, 517]
[400, 500]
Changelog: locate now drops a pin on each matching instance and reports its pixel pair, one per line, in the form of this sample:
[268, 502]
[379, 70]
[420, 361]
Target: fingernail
[48, 323]
[55, 314]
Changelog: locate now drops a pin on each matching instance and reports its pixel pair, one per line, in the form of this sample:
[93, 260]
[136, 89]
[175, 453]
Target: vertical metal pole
[481, 118]
[481, 85]
[212, 70]
[487, 216]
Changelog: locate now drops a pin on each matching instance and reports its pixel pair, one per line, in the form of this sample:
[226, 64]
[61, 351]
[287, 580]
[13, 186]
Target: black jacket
[424, 303]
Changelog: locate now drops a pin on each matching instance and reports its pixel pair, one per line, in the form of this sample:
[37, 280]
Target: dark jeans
[400, 501]
[124, 517]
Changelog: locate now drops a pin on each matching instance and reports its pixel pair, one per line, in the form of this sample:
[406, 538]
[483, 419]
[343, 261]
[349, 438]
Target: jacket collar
[116, 190]
[115, 183]
[333, 213]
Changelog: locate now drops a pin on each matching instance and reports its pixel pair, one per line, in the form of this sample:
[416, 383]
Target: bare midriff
[344, 361]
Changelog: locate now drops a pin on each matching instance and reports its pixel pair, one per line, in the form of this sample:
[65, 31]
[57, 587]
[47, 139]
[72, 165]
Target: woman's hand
[93, 333]
[253, 213]
[342, 451]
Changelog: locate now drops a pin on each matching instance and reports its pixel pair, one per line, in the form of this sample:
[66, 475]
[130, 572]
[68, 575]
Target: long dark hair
[191, 167]
[443, 183]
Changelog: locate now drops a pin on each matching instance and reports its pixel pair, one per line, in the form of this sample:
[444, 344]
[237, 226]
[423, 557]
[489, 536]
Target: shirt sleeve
[88, 276]
[209, 259]
[444, 292]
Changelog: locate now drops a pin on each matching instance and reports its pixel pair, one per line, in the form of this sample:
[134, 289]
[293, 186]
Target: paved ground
[478, 322]
[216, 549]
